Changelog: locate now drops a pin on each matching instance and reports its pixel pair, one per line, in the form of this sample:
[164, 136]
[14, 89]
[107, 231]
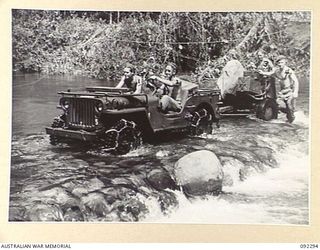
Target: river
[266, 168]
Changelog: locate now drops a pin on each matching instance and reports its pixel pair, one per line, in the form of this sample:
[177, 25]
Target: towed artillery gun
[246, 92]
[252, 94]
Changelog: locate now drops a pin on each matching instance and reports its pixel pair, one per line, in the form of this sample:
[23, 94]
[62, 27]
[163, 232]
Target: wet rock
[71, 205]
[133, 182]
[125, 204]
[167, 200]
[45, 212]
[198, 147]
[112, 216]
[266, 157]
[121, 181]
[85, 187]
[199, 173]
[16, 213]
[96, 204]
[95, 184]
[73, 214]
[231, 168]
[128, 163]
[57, 195]
[132, 209]
[79, 191]
[118, 193]
[105, 171]
[246, 171]
[246, 143]
[160, 179]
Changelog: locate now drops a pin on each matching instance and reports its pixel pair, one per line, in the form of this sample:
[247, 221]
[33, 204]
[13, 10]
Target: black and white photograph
[160, 117]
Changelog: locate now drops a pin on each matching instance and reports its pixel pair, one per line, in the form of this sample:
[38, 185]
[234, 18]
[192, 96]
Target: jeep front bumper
[72, 134]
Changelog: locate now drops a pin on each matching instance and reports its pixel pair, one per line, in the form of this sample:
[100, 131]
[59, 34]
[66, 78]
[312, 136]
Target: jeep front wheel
[123, 137]
[201, 122]
[58, 122]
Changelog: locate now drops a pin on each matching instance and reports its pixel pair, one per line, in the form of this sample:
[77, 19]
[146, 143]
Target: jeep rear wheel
[201, 122]
[123, 137]
[267, 110]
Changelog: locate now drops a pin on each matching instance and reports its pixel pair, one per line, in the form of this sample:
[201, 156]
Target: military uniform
[288, 91]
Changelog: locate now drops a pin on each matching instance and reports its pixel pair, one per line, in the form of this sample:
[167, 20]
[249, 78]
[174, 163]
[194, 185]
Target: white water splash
[162, 153]
[140, 151]
[213, 211]
[292, 176]
[261, 199]
[300, 118]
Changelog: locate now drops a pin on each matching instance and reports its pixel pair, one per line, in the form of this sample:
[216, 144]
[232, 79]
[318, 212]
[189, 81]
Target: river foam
[247, 202]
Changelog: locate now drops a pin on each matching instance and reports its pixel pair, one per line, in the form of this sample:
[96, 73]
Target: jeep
[121, 120]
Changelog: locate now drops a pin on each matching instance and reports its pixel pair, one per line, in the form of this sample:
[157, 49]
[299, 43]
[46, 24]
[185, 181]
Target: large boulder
[199, 173]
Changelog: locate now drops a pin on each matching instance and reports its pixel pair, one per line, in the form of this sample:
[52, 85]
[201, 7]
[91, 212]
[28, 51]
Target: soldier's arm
[295, 82]
[139, 86]
[121, 83]
[164, 81]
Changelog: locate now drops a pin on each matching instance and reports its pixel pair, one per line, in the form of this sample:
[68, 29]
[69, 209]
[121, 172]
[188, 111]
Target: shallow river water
[265, 164]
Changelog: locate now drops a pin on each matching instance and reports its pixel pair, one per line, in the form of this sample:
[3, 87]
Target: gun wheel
[201, 122]
[58, 122]
[267, 110]
[123, 137]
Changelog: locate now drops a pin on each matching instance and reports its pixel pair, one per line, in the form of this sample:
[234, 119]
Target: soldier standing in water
[289, 87]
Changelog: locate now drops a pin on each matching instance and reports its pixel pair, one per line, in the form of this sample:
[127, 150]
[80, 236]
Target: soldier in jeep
[170, 89]
[130, 80]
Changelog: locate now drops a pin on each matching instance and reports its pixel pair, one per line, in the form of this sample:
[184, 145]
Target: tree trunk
[252, 32]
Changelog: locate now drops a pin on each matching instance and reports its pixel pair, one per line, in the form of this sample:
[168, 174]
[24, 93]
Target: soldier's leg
[294, 104]
[168, 103]
[282, 105]
[164, 103]
[290, 109]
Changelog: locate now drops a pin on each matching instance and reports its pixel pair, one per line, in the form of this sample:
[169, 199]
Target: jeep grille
[81, 113]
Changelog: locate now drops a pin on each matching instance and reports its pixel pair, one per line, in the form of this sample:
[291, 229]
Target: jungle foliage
[99, 44]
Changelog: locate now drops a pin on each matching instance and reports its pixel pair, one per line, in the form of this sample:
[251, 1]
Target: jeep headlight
[99, 107]
[65, 104]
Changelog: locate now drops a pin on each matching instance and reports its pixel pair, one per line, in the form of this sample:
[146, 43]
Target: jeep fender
[213, 110]
[137, 115]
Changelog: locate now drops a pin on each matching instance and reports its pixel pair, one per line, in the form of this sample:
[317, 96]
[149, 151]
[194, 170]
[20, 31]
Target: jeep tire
[58, 122]
[201, 122]
[122, 137]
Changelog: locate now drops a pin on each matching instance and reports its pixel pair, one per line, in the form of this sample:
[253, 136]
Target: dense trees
[98, 44]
